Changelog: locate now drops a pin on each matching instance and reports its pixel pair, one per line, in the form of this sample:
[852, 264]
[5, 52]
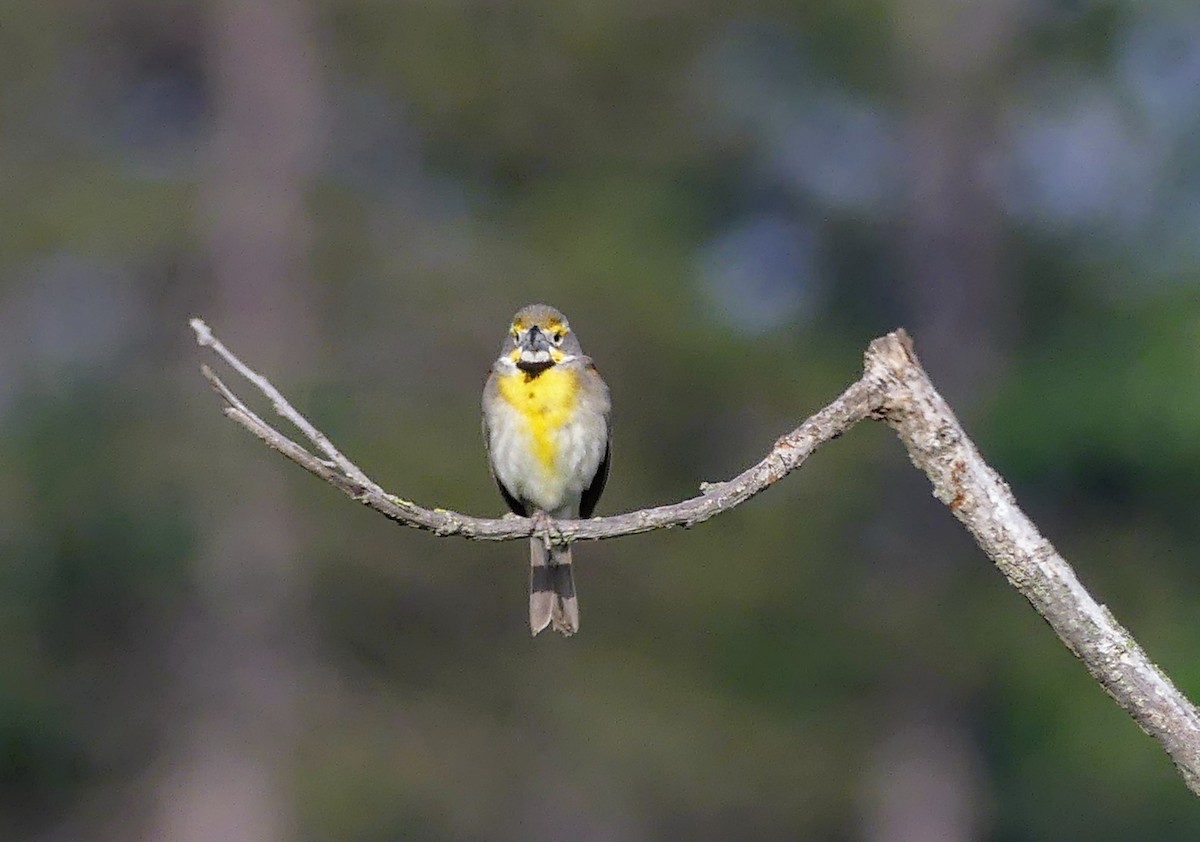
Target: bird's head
[539, 337]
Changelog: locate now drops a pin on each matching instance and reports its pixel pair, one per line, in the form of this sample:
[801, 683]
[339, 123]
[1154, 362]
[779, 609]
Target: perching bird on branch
[545, 424]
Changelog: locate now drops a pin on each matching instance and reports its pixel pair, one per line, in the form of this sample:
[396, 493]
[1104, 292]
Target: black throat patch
[532, 370]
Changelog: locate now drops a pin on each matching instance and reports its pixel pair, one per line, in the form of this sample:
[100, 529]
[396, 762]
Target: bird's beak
[535, 346]
[536, 340]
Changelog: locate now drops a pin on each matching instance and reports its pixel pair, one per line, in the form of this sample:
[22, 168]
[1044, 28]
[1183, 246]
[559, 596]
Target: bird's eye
[558, 338]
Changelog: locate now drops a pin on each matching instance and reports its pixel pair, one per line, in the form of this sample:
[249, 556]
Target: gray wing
[591, 494]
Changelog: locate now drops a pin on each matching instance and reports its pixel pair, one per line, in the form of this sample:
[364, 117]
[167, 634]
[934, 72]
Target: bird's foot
[543, 527]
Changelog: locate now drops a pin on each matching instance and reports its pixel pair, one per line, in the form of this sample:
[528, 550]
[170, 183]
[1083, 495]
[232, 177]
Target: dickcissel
[545, 424]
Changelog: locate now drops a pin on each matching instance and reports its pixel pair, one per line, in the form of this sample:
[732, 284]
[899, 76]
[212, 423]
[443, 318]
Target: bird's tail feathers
[552, 600]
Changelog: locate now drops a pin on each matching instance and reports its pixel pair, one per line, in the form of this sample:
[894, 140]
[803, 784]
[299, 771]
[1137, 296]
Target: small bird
[545, 425]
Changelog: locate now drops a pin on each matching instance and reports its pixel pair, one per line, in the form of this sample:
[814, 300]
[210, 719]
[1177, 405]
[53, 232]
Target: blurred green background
[198, 641]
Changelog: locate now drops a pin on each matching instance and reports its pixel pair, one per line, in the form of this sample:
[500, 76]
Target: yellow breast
[546, 402]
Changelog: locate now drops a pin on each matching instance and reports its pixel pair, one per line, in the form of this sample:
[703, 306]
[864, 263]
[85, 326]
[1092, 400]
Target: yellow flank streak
[546, 402]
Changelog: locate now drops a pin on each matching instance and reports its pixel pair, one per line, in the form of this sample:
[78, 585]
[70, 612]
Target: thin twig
[895, 389]
[787, 455]
[205, 337]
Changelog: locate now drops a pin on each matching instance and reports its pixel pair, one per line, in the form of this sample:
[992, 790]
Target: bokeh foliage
[720, 202]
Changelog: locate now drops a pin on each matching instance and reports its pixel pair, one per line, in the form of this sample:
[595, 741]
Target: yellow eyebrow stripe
[550, 326]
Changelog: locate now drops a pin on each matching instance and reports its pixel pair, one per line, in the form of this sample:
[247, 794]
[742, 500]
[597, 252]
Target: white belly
[553, 487]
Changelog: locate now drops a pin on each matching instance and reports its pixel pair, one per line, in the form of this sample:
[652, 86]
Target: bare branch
[983, 502]
[788, 454]
[895, 389]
